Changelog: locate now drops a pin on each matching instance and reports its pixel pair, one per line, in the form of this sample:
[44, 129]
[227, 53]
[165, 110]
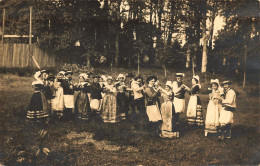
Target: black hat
[151, 78]
[51, 77]
[96, 76]
[130, 75]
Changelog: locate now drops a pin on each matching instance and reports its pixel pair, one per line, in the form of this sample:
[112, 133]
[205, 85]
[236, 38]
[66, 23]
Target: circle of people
[102, 99]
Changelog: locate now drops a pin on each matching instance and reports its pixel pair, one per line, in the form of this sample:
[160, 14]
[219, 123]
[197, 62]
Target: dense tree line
[167, 33]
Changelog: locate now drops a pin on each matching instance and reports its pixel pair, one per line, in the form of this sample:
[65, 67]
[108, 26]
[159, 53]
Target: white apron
[179, 105]
[69, 101]
[153, 113]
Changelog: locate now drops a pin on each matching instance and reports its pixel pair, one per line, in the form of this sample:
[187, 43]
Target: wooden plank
[11, 55]
[5, 55]
[14, 55]
[26, 53]
[21, 54]
[7, 64]
[21, 60]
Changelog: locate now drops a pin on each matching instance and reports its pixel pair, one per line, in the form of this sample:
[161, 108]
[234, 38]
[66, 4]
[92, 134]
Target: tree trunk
[117, 33]
[88, 61]
[204, 50]
[193, 65]
[244, 82]
[188, 58]
[117, 50]
[138, 63]
[165, 70]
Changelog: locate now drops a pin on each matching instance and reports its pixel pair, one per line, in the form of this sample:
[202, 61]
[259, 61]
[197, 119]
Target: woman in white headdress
[194, 111]
[168, 112]
[38, 107]
[82, 104]
[109, 105]
[57, 102]
[213, 109]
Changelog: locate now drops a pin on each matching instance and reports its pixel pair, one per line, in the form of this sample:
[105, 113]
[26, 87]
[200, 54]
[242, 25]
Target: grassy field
[82, 143]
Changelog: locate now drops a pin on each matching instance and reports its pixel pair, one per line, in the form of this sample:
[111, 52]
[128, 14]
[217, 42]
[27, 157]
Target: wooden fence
[17, 55]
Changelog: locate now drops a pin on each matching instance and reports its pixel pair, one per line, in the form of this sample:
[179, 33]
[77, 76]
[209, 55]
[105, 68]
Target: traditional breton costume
[57, 102]
[213, 109]
[168, 112]
[122, 99]
[109, 105]
[152, 104]
[82, 104]
[95, 102]
[50, 90]
[38, 107]
[226, 112]
[68, 90]
[194, 110]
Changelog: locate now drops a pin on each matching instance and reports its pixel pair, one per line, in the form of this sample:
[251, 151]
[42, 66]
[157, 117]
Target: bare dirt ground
[90, 143]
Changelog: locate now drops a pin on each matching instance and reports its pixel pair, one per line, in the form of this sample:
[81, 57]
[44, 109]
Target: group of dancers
[101, 98]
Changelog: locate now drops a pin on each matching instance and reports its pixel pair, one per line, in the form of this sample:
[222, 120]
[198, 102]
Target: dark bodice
[96, 91]
[39, 87]
[195, 90]
[67, 90]
[151, 96]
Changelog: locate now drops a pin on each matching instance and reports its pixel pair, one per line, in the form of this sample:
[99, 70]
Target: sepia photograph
[129, 82]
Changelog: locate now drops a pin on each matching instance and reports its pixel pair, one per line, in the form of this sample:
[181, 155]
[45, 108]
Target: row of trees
[169, 33]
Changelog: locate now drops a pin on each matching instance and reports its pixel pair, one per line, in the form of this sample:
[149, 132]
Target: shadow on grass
[244, 131]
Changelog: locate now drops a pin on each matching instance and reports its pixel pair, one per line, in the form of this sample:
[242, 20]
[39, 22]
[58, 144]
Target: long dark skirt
[82, 106]
[38, 107]
[123, 105]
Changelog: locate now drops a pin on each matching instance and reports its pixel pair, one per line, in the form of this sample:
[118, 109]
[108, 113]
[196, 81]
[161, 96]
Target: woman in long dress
[194, 111]
[109, 105]
[213, 109]
[57, 102]
[82, 104]
[152, 104]
[122, 99]
[38, 107]
[168, 111]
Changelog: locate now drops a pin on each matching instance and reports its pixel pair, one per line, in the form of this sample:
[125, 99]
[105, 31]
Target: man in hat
[179, 90]
[68, 95]
[138, 105]
[226, 112]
